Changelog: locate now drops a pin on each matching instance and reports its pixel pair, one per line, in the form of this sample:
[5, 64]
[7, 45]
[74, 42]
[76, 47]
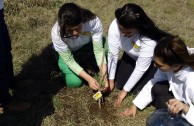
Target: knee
[160, 89]
[119, 86]
[155, 90]
[73, 81]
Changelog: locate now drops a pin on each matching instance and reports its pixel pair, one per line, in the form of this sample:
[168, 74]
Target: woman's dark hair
[172, 50]
[133, 16]
[71, 14]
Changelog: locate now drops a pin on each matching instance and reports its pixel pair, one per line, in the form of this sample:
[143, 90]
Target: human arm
[98, 50]
[189, 98]
[104, 78]
[145, 96]
[76, 68]
[113, 54]
[143, 63]
[131, 111]
[65, 54]
[137, 74]
[120, 98]
[97, 31]
[93, 83]
[175, 106]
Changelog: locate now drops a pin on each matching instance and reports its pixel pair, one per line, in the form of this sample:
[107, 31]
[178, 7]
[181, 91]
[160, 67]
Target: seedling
[99, 96]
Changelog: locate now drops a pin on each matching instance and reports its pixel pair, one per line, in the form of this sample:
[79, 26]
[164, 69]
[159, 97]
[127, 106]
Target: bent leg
[70, 78]
[161, 94]
[124, 69]
[148, 75]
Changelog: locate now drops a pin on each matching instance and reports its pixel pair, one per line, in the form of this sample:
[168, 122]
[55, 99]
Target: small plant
[100, 77]
[99, 95]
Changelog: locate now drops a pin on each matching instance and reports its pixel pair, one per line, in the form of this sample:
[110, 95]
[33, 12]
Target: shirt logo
[86, 33]
[136, 47]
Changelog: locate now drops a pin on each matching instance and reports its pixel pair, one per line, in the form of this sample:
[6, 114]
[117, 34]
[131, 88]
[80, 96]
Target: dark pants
[124, 70]
[161, 116]
[161, 94]
[85, 58]
[6, 66]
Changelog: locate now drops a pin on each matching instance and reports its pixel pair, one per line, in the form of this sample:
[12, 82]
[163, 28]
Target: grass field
[37, 74]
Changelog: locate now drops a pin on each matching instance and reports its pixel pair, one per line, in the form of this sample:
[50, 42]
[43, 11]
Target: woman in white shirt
[172, 85]
[134, 33]
[77, 39]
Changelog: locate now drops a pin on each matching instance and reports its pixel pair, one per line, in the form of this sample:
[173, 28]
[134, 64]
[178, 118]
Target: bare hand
[129, 111]
[104, 78]
[111, 85]
[106, 87]
[93, 84]
[103, 70]
[175, 106]
[120, 98]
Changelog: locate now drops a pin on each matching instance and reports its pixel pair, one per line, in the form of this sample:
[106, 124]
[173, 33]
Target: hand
[129, 111]
[104, 78]
[93, 84]
[111, 85]
[175, 106]
[103, 70]
[106, 86]
[120, 98]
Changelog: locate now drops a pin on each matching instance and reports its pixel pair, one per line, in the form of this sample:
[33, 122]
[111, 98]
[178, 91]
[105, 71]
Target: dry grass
[39, 79]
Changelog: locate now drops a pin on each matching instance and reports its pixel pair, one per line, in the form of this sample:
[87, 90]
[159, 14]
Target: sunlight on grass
[53, 104]
[58, 104]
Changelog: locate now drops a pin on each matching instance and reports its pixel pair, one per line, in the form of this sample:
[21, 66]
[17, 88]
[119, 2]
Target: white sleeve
[142, 64]
[58, 43]
[113, 44]
[190, 114]
[96, 29]
[145, 97]
[190, 50]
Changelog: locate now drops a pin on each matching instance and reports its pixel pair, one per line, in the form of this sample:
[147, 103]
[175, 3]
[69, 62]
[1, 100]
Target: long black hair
[133, 16]
[172, 50]
[71, 14]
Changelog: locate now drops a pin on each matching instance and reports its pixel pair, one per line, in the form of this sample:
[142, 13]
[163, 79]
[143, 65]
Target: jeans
[161, 117]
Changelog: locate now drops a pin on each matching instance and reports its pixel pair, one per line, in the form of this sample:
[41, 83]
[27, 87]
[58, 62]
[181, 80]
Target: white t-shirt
[138, 47]
[181, 85]
[93, 27]
[92, 30]
[1, 4]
